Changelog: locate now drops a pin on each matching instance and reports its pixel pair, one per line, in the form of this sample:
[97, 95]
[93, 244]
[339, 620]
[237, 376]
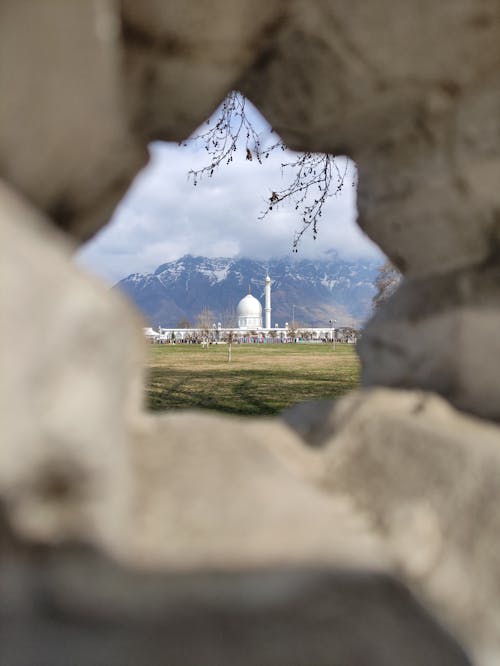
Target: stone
[70, 387]
[79, 608]
[426, 196]
[183, 58]
[393, 484]
[426, 478]
[65, 141]
[380, 84]
[440, 334]
[220, 492]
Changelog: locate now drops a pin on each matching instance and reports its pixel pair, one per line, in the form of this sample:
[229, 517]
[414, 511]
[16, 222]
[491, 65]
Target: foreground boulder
[427, 479]
[441, 334]
[72, 606]
[71, 385]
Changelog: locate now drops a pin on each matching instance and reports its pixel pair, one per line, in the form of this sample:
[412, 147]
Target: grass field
[261, 379]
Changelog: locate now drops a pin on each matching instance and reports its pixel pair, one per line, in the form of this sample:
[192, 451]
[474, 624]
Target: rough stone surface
[183, 57]
[427, 195]
[426, 143]
[388, 91]
[426, 477]
[64, 136]
[70, 385]
[395, 481]
[441, 334]
[224, 493]
[73, 606]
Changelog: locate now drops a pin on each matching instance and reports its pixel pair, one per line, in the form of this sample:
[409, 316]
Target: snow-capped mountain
[319, 290]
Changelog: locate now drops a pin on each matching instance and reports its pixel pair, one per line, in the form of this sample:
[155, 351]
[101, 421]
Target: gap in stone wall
[170, 213]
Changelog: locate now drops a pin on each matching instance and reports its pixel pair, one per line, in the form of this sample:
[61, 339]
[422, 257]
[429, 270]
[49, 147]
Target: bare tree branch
[315, 177]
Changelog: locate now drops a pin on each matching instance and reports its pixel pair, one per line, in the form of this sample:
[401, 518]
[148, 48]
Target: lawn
[260, 379]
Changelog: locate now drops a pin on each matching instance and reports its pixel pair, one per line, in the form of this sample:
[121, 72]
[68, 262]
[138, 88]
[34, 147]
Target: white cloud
[163, 216]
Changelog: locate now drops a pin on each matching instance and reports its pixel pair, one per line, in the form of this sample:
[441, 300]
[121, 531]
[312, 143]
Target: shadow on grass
[244, 392]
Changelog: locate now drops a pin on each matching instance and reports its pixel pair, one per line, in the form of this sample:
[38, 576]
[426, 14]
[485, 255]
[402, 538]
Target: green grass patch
[260, 379]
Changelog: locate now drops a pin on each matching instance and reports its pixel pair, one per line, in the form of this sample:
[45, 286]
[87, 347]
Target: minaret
[268, 302]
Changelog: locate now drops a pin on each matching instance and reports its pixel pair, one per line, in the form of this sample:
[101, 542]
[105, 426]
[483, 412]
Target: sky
[164, 216]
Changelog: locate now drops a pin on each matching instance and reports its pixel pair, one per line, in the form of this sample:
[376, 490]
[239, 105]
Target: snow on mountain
[319, 290]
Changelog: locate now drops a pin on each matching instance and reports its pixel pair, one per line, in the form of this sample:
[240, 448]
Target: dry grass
[261, 379]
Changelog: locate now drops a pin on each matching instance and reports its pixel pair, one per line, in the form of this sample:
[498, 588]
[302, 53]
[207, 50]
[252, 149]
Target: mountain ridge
[313, 292]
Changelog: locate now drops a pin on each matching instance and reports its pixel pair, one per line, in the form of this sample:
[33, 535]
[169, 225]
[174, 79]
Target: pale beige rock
[71, 384]
[381, 83]
[88, 610]
[183, 57]
[410, 90]
[376, 82]
[225, 493]
[353, 74]
[440, 334]
[64, 137]
[427, 477]
[428, 197]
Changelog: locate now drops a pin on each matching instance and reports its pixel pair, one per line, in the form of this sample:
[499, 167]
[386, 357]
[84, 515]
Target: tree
[230, 337]
[315, 177]
[301, 325]
[228, 318]
[183, 323]
[386, 283]
[204, 322]
[292, 331]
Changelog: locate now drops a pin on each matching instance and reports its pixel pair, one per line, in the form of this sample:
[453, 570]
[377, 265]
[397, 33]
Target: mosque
[250, 327]
[249, 310]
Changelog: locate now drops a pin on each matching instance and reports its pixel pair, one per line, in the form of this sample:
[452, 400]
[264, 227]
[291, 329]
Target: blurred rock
[71, 384]
[86, 610]
[260, 526]
[380, 83]
[440, 334]
[183, 57]
[220, 492]
[426, 478]
[64, 136]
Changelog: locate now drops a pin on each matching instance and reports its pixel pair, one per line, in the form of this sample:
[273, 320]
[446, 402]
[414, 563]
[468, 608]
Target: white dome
[249, 307]
[249, 313]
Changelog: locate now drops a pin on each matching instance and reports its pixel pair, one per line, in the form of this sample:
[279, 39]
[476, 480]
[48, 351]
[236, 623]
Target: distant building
[250, 327]
[151, 334]
[249, 310]
[249, 313]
